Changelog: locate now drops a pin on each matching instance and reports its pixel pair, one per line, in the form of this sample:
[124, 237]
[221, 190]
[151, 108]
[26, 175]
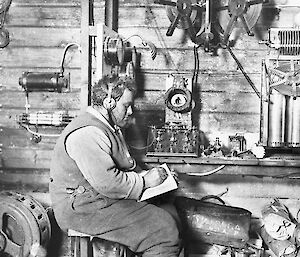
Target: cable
[64, 54]
[145, 43]
[243, 71]
[39, 134]
[207, 173]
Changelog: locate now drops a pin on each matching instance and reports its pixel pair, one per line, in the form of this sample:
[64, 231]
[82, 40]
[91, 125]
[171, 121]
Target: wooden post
[86, 45]
[111, 14]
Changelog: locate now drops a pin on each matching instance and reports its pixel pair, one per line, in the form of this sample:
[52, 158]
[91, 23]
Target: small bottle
[217, 145]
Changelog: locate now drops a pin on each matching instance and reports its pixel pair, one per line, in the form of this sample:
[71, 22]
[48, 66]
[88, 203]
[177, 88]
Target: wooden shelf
[273, 167]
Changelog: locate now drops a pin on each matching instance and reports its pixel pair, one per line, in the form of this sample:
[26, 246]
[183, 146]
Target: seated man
[94, 188]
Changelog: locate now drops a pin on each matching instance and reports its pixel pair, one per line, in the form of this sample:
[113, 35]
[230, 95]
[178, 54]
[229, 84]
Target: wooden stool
[84, 245]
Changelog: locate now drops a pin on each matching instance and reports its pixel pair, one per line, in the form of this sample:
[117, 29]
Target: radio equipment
[44, 81]
[280, 105]
[178, 137]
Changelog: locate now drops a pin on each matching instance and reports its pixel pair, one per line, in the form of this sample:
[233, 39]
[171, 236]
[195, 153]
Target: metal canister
[292, 135]
[43, 81]
[277, 106]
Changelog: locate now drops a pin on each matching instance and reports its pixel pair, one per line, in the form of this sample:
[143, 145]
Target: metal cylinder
[277, 106]
[26, 227]
[292, 136]
[43, 81]
[114, 51]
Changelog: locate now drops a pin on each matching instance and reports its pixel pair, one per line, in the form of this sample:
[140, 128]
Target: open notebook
[168, 185]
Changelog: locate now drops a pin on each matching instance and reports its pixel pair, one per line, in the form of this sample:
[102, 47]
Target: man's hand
[155, 177]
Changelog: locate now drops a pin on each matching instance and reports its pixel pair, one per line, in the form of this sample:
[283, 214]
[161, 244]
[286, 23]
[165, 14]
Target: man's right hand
[155, 177]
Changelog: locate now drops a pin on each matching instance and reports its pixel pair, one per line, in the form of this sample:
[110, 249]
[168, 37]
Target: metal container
[277, 106]
[292, 136]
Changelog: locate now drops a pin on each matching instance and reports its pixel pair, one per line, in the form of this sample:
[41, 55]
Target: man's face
[123, 110]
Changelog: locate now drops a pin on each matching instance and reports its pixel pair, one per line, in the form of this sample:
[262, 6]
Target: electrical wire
[207, 173]
[243, 71]
[149, 44]
[65, 52]
[39, 134]
[196, 66]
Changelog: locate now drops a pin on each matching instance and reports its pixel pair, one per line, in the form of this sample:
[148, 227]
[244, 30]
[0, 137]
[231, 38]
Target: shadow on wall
[267, 17]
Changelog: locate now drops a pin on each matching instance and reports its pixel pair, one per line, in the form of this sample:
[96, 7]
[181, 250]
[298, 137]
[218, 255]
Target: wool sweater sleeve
[90, 148]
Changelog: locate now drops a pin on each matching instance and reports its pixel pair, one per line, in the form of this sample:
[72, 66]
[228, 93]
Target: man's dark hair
[118, 85]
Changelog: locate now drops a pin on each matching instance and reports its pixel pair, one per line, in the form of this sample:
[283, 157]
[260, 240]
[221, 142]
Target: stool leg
[84, 246]
[75, 246]
[72, 246]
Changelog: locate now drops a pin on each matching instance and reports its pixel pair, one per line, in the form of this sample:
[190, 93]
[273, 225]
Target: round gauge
[114, 51]
[178, 99]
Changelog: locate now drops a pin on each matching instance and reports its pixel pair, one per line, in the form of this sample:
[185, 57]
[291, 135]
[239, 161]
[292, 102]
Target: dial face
[178, 100]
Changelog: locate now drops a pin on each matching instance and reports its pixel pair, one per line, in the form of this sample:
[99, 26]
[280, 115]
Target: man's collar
[102, 115]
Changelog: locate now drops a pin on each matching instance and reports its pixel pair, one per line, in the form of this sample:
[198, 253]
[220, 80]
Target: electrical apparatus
[110, 52]
[113, 55]
[44, 81]
[57, 82]
[178, 137]
[280, 89]
[116, 55]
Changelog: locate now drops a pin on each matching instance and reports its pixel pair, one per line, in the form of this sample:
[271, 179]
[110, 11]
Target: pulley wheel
[226, 8]
[24, 225]
[172, 13]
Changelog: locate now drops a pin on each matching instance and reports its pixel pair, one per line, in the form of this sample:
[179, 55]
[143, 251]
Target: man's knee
[169, 228]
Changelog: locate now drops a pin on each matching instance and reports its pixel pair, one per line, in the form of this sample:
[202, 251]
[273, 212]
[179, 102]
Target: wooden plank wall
[39, 31]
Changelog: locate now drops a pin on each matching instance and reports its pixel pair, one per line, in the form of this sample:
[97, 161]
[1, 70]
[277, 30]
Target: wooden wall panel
[28, 57]
[37, 100]
[43, 37]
